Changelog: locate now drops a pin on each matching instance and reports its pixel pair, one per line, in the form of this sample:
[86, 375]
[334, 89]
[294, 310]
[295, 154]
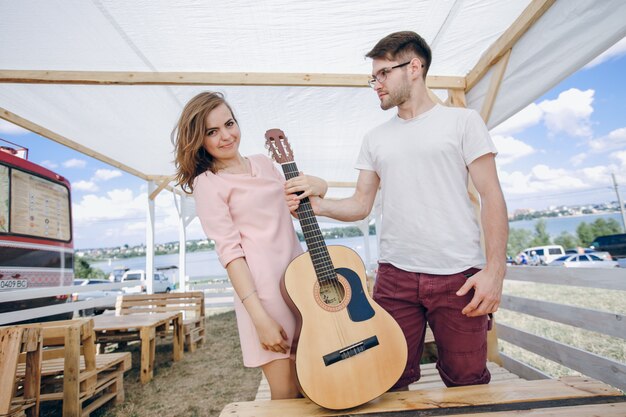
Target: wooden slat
[494, 86]
[510, 394]
[525, 371]
[590, 364]
[612, 324]
[507, 40]
[206, 78]
[71, 371]
[10, 346]
[605, 278]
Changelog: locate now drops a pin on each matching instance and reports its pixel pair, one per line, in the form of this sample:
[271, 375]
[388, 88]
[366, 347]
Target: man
[429, 236]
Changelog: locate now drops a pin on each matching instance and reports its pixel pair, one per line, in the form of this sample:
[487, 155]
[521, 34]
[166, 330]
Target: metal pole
[619, 201]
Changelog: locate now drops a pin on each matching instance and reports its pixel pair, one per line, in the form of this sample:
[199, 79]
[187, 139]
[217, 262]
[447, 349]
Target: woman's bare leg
[282, 379]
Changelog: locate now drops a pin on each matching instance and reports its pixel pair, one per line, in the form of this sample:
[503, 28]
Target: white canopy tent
[109, 77]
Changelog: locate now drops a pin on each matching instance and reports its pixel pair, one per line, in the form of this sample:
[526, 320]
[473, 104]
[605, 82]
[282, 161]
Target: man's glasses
[381, 76]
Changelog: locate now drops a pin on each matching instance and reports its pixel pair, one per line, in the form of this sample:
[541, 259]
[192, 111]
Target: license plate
[13, 284]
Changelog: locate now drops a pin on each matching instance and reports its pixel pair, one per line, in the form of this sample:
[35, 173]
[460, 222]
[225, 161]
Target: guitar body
[348, 350]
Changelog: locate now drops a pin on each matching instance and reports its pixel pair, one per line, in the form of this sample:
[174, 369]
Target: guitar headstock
[278, 146]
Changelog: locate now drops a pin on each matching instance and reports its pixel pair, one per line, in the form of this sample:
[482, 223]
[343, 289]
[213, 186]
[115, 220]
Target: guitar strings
[325, 268]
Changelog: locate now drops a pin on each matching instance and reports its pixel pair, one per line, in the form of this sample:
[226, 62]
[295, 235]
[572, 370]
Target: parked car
[545, 254]
[614, 244]
[160, 284]
[600, 254]
[90, 295]
[117, 273]
[585, 260]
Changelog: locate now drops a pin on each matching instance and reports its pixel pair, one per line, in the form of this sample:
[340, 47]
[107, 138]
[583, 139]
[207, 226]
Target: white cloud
[115, 204]
[49, 164]
[75, 163]
[621, 157]
[510, 149]
[616, 139]
[9, 128]
[106, 174]
[85, 186]
[122, 213]
[578, 159]
[615, 51]
[542, 179]
[525, 118]
[569, 113]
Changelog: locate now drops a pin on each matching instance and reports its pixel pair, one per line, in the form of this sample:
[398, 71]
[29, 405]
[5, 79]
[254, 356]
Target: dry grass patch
[199, 385]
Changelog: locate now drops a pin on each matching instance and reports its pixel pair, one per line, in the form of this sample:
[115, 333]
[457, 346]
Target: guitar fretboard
[315, 244]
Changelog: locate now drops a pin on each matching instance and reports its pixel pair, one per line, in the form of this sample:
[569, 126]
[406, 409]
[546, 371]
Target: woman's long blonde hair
[188, 137]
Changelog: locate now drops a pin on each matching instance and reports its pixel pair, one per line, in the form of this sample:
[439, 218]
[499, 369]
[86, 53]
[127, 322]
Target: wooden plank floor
[568, 396]
[430, 379]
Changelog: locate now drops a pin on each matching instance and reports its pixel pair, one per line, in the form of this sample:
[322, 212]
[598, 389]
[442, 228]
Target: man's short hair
[402, 45]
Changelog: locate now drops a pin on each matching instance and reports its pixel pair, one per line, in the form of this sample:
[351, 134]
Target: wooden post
[71, 389]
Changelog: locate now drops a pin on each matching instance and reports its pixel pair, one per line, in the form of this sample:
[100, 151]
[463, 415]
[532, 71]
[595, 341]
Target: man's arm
[353, 208]
[488, 282]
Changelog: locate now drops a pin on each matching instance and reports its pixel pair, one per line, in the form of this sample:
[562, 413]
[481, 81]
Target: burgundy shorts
[414, 299]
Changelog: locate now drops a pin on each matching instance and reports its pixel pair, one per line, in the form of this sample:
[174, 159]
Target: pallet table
[142, 327]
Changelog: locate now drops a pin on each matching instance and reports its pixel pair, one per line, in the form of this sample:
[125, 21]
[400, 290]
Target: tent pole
[150, 239]
[182, 243]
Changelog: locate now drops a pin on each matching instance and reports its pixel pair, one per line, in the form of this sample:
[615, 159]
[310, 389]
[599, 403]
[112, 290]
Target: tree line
[520, 239]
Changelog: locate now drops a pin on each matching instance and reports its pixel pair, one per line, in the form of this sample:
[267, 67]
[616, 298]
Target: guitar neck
[313, 237]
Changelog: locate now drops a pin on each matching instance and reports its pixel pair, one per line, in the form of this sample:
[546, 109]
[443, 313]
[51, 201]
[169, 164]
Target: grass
[201, 384]
[591, 298]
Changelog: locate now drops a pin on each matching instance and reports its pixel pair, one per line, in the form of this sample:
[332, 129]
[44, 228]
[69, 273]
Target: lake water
[206, 264]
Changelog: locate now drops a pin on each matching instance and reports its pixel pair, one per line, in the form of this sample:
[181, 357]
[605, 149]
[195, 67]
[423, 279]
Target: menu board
[4, 199]
[39, 207]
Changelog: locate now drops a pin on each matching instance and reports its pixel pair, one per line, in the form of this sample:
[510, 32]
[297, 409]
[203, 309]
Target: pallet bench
[20, 398]
[72, 372]
[191, 304]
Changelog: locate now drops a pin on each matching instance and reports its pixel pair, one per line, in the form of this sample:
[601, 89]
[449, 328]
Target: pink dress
[247, 216]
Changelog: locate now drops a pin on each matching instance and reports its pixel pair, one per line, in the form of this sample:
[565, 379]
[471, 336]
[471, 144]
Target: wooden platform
[569, 396]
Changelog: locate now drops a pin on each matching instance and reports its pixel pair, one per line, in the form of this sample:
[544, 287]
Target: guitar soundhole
[333, 295]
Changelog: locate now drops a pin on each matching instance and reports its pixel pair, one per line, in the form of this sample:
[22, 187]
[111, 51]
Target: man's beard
[397, 97]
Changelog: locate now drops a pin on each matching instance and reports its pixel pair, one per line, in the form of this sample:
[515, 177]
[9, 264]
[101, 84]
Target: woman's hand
[271, 335]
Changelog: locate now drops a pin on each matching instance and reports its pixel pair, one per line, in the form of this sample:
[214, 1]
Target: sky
[559, 150]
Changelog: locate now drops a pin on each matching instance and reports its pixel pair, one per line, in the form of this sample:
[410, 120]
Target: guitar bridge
[350, 351]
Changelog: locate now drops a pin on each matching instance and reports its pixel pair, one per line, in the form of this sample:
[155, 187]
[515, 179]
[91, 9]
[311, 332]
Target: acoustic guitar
[347, 350]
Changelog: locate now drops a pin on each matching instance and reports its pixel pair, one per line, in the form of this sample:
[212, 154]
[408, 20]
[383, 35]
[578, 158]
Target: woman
[241, 206]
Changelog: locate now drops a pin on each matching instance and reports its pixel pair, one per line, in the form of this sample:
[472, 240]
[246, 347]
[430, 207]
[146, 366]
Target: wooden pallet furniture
[144, 328]
[19, 396]
[191, 304]
[72, 372]
[568, 396]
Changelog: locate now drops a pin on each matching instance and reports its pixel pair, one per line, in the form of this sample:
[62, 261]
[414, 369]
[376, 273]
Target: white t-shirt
[428, 222]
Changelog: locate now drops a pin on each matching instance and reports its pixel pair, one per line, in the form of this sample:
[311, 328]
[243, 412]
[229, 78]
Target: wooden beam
[604, 278]
[164, 183]
[434, 97]
[206, 78]
[42, 131]
[341, 184]
[612, 324]
[456, 98]
[494, 86]
[507, 40]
